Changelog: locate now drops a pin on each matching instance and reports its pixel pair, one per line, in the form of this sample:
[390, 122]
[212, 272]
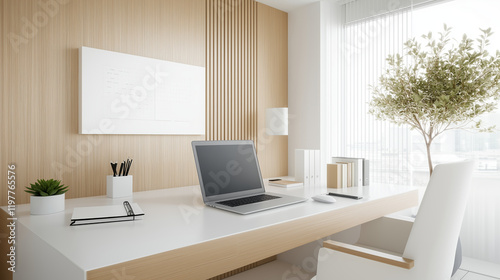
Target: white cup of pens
[120, 183]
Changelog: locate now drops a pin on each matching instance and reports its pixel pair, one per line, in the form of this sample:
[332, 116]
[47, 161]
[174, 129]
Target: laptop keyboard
[247, 200]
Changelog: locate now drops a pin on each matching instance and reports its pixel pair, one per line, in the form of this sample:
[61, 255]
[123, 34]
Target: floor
[469, 275]
[470, 269]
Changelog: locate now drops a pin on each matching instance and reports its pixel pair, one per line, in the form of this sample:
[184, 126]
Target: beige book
[334, 178]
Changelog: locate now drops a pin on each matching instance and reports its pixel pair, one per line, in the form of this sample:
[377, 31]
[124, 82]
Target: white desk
[180, 238]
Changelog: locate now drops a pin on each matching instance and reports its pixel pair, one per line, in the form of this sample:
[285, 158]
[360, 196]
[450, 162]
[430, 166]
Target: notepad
[285, 184]
[106, 214]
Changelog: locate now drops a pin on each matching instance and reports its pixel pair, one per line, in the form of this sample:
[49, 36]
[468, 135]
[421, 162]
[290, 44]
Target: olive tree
[444, 84]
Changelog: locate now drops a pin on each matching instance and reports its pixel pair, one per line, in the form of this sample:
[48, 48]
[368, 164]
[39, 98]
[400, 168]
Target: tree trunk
[429, 160]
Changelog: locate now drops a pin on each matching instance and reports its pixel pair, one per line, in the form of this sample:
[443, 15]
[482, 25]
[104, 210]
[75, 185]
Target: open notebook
[106, 214]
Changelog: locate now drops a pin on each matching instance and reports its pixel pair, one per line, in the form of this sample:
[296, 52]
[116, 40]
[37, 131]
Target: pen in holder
[120, 183]
[120, 186]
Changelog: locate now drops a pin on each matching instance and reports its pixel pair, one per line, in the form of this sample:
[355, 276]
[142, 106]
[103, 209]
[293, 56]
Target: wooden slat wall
[247, 72]
[243, 268]
[40, 86]
[231, 69]
[241, 43]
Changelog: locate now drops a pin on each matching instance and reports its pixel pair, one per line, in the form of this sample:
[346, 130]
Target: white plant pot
[42, 205]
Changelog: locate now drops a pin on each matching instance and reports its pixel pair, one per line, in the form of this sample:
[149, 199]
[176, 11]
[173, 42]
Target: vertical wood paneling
[244, 268]
[39, 92]
[231, 48]
[272, 86]
[39, 87]
[247, 72]
[4, 129]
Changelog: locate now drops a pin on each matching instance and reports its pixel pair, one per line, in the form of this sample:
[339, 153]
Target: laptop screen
[227, 167]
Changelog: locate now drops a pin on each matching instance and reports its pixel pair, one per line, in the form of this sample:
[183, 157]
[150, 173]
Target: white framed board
[128, 94]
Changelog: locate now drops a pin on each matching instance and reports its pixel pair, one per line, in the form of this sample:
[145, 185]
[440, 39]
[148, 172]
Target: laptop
[230, 178]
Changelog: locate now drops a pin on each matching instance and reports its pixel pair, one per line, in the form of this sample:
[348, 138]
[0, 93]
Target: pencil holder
[120, 186]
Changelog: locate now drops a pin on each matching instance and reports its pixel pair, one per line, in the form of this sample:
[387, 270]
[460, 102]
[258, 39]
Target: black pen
[345, 195]
[113, 166]
[121, 168]
[129, 164]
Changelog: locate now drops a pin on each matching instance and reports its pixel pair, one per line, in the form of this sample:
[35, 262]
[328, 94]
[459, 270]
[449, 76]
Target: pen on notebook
[128, 209]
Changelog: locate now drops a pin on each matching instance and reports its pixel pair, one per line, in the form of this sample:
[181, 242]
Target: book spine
[312, 178]
[303, 166]
[299, 165]
[307, 171]
[344, 175]
[317, 170]
[366, 172]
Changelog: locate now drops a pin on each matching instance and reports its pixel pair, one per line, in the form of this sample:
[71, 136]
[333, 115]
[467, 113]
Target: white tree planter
[42, 205]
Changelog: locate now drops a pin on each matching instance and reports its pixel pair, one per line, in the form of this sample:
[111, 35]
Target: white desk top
[174, 218]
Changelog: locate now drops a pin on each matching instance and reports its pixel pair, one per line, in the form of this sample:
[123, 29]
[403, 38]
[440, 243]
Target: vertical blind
[371, 31]
[365, 47]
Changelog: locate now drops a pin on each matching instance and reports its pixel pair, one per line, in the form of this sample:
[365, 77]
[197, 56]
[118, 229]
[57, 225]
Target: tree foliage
[440, 86]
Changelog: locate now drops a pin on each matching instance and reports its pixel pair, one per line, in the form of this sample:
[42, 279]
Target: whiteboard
[128, 94]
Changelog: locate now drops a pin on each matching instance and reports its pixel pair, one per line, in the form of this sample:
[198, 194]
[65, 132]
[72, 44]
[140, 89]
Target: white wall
[303, 80]
[312, 54]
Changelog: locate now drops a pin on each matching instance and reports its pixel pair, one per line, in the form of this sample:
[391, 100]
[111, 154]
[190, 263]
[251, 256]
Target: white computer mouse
[324, 198]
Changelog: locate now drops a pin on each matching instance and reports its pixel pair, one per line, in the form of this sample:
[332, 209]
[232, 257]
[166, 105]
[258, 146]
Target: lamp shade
[277, 121]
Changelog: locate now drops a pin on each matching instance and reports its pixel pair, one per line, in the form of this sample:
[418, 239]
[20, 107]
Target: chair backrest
[434, 235]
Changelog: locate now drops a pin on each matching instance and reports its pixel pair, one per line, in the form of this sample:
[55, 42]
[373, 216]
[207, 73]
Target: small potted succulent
[47, 196]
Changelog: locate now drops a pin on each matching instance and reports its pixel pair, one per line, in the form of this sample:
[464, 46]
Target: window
[397, 154]
[366, 45]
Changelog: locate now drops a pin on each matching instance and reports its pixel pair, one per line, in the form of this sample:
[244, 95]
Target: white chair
[400, 249]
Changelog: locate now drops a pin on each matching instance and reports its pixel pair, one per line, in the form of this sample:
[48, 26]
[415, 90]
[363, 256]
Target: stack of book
[285, 183]
[346, 172]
